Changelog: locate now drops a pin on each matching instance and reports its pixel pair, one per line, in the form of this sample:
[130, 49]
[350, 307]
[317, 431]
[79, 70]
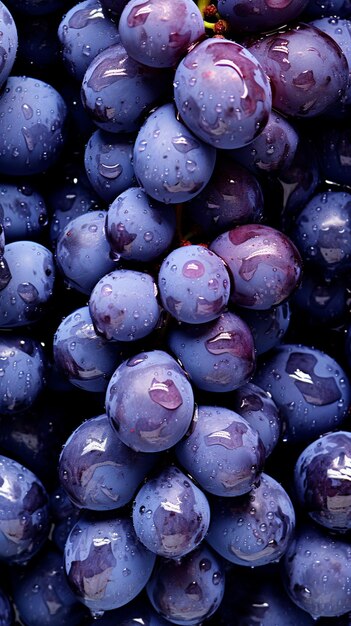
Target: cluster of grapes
[175, 333]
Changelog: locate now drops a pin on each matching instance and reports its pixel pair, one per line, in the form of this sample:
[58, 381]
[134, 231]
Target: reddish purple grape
[265, 265]
[308, 71]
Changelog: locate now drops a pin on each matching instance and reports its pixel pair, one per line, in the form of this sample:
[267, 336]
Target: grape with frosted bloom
[222, 93]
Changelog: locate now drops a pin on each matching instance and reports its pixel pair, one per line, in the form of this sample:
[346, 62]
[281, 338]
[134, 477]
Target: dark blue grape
[23, 369]
[68, 197]
[254, 529]
[123, 305]
[333, 144]
[218, 356]
[260, 410]
[171, 516]
[222, 93]
[106, 565]
[83, 252]
[264, 263]
[260, 15]
[322, 230]
[27, 284]
[222, 451]
[138, 228]
[194, 284]
[8, 42]
[7, 613]
[108, 163]
[85, 358]
[233, 196]
[117, 91]
[150, 401]
[268, 327]
[42, 594]
[321, 480]
[32, 126]
[97, 470]
[306, 67]
[273, 150]
[316, 571]
[170, 163]
[24, 516]
[187, 590]
[158, 33]
[23, 211]
[38, 7]
[309, 387]
[316, 9]
[84, 31]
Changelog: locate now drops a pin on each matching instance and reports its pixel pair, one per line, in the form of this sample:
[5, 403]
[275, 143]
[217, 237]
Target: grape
[158, 32]
[221, 116]
[23, 211]
[171, 515]
[150, 401]
[139, 228]
[108, 163]
[187, 590]
[170, 163]
[218, 356]
[255, 528]
[82, 251]
[8, 42]
[222, 451]
[268, 327]
[106, 564]
[83, 32]
[97, 470]
[123, 305]
[259, 15]
[321, 480]
[264, 263]
[303, 84]
[194, 284]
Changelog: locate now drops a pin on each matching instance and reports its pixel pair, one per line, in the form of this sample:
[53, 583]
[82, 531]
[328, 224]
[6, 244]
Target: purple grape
[218, 356]
[264, 263]
[222, 451]
[83, 32]
[106, 565]
[254, 529]
[33, 118]
[309, 387]
[194, 284]
[82, 251]
[139, 228]
[8, 42]
[260, 15]
[108, 163]
[158, 33]
[170, 163]
[171, 515]
[187, 590]
[24, 518]
[260, 410]
[117, 91]
[221, 116]
[233, 196]
[27, 283]
[304, 84]
[321, 480]
[150, 401]
[273, 150]
[317, 572]
[97, 470]
[123, 305]
[85, 358]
